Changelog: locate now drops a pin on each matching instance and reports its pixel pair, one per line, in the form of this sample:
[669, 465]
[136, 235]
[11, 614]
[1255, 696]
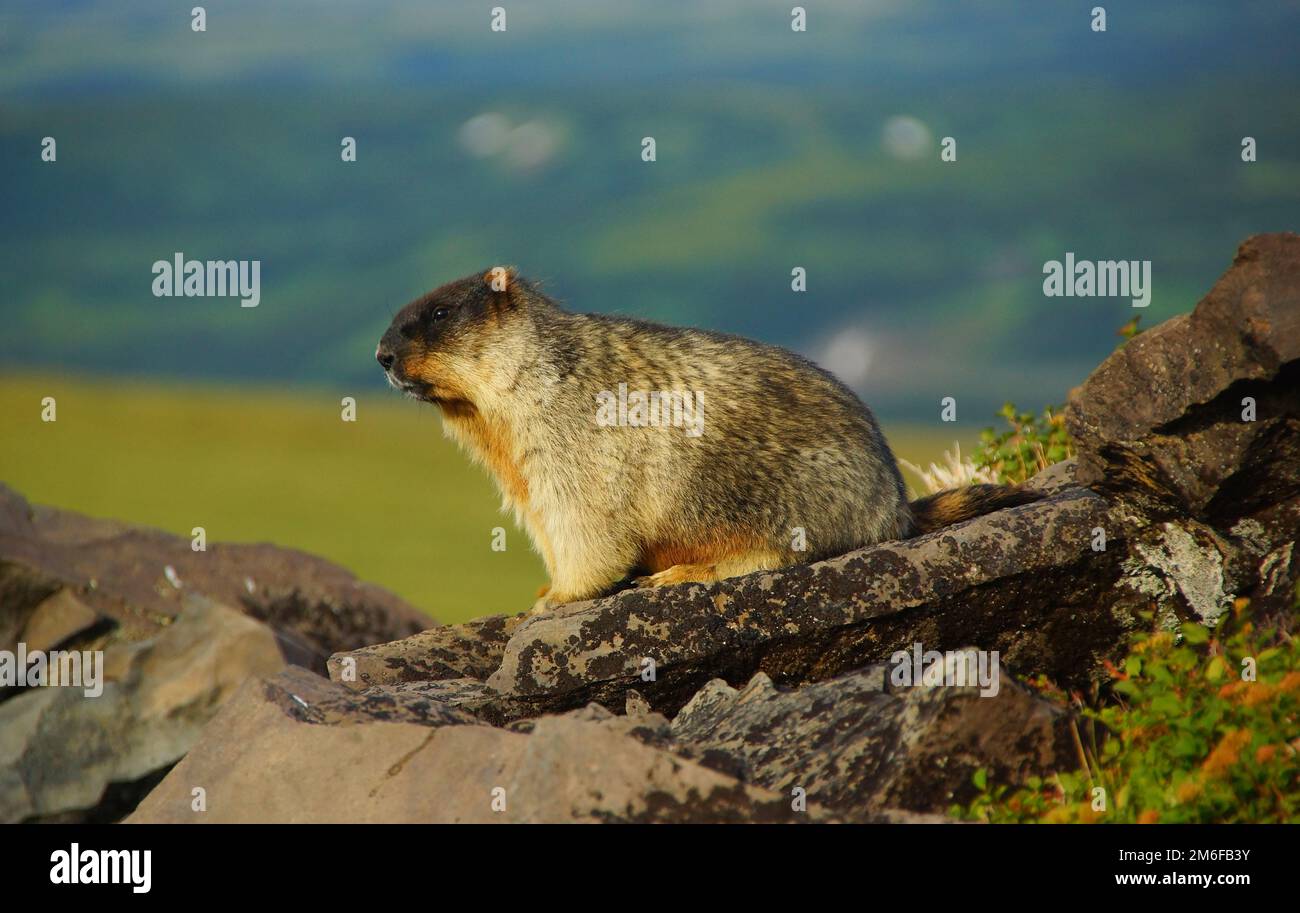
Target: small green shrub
[1182, 736]
[1027, 446]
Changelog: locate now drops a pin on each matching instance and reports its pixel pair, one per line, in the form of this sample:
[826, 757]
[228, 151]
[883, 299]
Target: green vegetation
[388, 496]
[1183, 734]
[1026, 447]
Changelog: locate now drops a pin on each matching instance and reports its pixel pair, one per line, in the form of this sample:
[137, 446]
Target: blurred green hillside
[388, 496]
[775, 150]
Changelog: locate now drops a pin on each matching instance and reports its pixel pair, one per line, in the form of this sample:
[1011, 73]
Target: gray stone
[261, 760]
[1209, 500]
[61, 749]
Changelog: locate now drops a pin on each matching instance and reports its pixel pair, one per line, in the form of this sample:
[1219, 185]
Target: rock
[862, 751]
[1024, 581]
[470, 650]
[1056, 478]
[1192, 430]
[1160, 422]
[647, 728]
[55, 620]
[135, 577]
[315, 700]
[158, 610]
[61, 749]
[297, 748]
[263, 761]
[1188, 559]
[468, 694]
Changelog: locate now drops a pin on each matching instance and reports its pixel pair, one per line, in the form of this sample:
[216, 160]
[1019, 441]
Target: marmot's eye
[441, 313]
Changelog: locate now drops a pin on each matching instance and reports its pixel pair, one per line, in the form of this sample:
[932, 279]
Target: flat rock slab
[1025, 581]
[470, 650]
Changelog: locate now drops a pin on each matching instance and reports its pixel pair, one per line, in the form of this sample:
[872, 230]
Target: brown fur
[957, 505]
[718, 548]
[493, 442]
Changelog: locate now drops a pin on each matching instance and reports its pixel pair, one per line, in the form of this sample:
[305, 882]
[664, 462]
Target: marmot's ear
[500, 279]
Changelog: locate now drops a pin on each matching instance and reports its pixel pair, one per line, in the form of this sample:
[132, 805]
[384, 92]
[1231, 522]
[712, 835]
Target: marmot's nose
[384, 357]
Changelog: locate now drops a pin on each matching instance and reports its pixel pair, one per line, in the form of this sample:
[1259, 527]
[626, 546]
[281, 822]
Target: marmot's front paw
[542, 604]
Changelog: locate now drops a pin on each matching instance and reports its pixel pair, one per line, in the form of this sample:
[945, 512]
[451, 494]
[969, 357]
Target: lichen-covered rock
[1192, 431]
[470, 650]
[859, 748]
[306, 696]
[1025, 581]
[1189, 559]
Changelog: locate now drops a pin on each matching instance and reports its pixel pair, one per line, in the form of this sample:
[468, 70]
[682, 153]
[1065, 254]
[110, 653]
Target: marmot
[632, 451]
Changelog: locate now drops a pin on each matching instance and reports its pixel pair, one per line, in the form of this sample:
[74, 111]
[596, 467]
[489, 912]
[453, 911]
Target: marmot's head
[454, 343]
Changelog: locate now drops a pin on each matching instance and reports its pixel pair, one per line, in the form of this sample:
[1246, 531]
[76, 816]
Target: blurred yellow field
[386, 496]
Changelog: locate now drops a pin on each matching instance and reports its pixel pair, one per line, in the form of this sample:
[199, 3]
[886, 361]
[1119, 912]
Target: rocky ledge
[180, 630]
[772, 697]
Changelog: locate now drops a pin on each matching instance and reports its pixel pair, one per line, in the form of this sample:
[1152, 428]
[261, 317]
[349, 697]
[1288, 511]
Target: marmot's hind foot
[726, 565]
[681, 573]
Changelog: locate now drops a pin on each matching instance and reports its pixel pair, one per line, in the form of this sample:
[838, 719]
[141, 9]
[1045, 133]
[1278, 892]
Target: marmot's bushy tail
[957, 504]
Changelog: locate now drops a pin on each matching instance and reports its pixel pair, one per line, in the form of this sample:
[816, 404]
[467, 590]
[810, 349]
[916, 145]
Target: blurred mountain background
[775, 150]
